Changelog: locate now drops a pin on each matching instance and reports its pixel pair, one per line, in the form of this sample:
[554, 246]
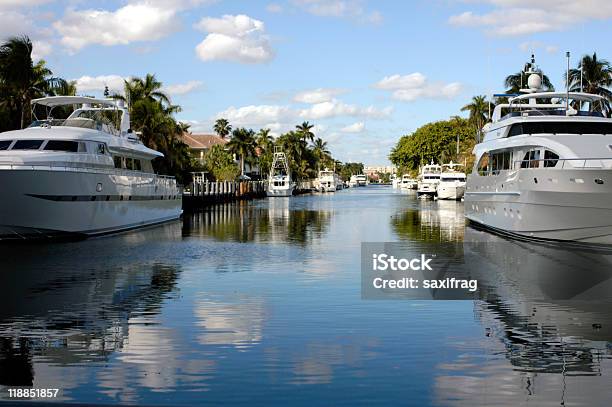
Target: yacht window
[129, 163]
[550, 158]
[4, 144]
[62, 145]
[531, 159]
[137, 165]
[117, 160]
[483, 164]
[560, 128]
[101, 148]
[27, 145]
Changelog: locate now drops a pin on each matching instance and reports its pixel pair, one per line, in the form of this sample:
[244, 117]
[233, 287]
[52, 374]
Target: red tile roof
[202, 141]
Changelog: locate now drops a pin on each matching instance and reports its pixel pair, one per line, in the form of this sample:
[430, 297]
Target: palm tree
[305, 131]
[320, 151]
[264, 139]
[21, 79]
[222, 127]
[479, 112]
[182, 128]
[518, 81]
[148, 88]
[242, 144]
[596, 76]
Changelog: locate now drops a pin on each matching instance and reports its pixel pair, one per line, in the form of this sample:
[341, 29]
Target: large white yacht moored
[429, 178]
[279, 180]
[544, 170]
[452, 182]
[87, 174]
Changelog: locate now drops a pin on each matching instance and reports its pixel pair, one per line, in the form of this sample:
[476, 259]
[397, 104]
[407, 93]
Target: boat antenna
[567, 55]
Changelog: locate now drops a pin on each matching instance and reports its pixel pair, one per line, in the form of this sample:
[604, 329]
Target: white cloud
[258, 115]
[339, 8]
[318, 95]
[132, 22]
[336, 108]
[523, 17]
[274, 8]
[237, 38]
[532, 46]
[354, 128]
[21, 3]
[14, 23]
[40, 49]
[182, 88]
[414, 86]
[97, 83]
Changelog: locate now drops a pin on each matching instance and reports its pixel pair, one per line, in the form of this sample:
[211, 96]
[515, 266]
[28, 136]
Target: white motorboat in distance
[328, 181]
[279, 180]
[452, 182]
[544, 170]
[407, 182]
[429, 178]
[87, 174]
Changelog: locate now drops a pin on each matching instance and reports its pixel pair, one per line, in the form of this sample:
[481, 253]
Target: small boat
[452, 182]
[279, 180]
[362, 180]
[407, 182]
[328, 181]
[353, 182]
[395, 181]
[429, 178]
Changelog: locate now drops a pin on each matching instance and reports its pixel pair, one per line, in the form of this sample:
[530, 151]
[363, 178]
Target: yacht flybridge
[87, 174]
[279, 180]
[544, 168]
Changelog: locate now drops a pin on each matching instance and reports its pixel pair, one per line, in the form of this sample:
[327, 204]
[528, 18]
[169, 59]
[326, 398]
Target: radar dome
[534, 81]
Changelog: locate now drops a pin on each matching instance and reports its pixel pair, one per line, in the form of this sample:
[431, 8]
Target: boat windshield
[107, 120]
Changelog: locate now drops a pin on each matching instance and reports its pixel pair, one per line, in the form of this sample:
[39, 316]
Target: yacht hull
[451, 192]
[544, 204]
[279, 192]
[39, 203]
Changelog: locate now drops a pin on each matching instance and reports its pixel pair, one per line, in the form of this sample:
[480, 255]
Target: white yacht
[279, 180]
[362, 180]
[328, 181]
[429, 178]
[407, 182]
[452, 182]
[86, 175]
[353, 182]
[544, 169]
[395, 181]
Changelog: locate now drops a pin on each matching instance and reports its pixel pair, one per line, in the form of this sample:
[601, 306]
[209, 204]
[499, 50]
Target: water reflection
[72, 303]
[430, 221]
[276, 221]
[547, 311]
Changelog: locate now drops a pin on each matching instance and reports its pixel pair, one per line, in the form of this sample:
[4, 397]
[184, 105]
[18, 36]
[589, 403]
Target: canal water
[259, 303]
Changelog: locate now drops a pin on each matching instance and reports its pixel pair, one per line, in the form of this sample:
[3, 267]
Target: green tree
[220, 163]
[305, 131]
[596, 76]
[222, 127]
[434, 142]
[243, 145]
[265, 147]
[21, 80]
[478, 110]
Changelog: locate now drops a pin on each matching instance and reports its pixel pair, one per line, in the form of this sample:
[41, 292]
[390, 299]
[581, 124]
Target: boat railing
[77, 168]
[564, 163]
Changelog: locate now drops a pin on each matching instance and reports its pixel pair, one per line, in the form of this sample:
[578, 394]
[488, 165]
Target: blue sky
[365, 72]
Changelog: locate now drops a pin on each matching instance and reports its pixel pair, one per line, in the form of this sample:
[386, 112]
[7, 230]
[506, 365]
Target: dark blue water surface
[260, 303]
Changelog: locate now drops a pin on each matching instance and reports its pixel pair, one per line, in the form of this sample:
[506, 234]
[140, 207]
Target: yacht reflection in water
[244, 221]
[72, 303]
[431, 221]
[546, 309]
